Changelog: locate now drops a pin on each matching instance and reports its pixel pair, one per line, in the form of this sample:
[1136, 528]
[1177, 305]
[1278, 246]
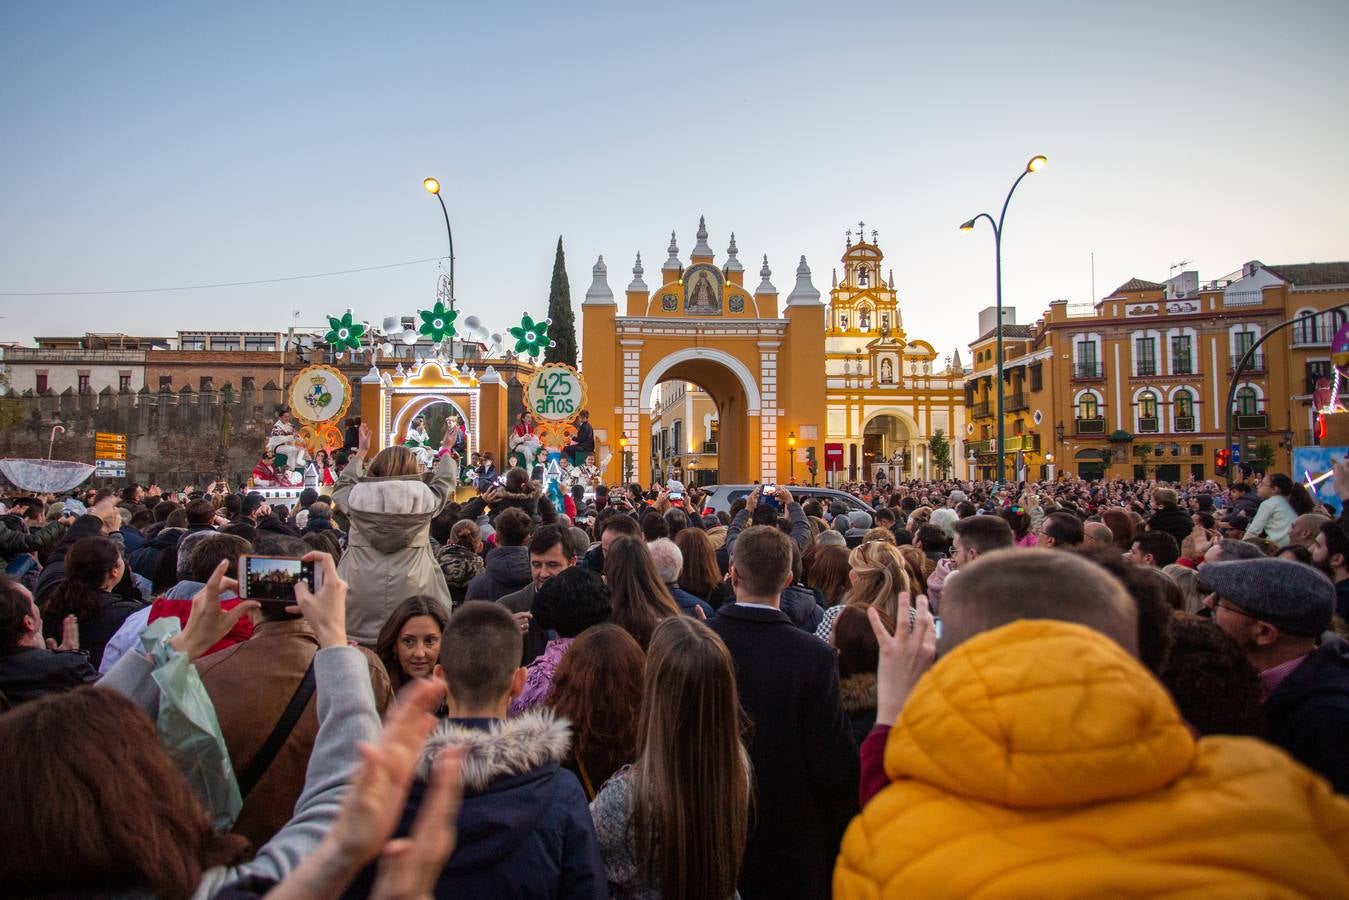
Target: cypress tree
[563, 329]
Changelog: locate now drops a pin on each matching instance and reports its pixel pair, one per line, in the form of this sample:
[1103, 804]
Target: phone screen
[273, 578]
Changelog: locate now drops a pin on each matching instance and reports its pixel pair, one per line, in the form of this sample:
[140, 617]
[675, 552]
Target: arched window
[1088, 407]
[1306, 331]
[863, 276]
[1184, 409]
[1147, 405]
[1247, 401]
[864, 317]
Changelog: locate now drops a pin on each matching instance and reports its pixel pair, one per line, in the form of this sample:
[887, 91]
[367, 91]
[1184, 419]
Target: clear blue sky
[157, 145]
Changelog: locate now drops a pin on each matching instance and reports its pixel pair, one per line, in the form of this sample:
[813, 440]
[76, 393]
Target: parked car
[721, 496]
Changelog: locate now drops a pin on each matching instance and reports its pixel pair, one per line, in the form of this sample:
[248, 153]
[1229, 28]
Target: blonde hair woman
[675, 823]
[877, 576]
[389, 506]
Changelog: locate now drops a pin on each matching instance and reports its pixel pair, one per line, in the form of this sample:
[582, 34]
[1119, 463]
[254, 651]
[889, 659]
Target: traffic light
[1221, 458]
[812, 466]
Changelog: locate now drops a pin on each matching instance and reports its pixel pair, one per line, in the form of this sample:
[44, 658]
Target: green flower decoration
[531, 338]
[438, 322]
[344, 334]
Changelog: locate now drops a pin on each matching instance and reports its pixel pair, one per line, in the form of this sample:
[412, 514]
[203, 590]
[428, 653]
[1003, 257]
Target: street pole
[1036, 163]
[433, 186]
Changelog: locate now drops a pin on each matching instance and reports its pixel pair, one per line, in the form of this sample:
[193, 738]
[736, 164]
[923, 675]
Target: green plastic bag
[189, 728]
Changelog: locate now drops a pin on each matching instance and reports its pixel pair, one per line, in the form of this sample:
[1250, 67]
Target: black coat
[507, 571]
[1174, 521]
[1308, 713]
[802, 748]
[27, 673]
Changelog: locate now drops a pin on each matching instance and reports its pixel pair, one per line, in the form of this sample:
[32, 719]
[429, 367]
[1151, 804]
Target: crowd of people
[1110, 688]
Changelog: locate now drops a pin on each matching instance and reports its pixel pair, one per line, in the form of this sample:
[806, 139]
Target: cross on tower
[861, 232]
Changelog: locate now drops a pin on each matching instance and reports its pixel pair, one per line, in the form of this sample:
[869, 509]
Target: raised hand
[904, 655]
[208, 622]
[326, 610]
[70, 635]
[409, 867]
[363, 441]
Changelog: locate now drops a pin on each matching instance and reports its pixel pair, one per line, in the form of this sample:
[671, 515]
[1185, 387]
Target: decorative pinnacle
[804, 294]
[637, 283]
[673, 262]
[701, 248]
[599, 291]
[733, 264]
[765, 286]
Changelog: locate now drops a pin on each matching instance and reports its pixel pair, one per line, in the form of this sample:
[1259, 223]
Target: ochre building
[759, 359]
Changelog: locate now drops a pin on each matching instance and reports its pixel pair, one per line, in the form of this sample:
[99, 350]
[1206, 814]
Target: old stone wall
[173, 438]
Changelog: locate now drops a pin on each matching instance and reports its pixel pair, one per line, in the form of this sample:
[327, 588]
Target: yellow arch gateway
[763, 367]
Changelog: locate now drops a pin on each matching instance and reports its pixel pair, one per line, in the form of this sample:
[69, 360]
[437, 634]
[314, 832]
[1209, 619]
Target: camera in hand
[273, 578]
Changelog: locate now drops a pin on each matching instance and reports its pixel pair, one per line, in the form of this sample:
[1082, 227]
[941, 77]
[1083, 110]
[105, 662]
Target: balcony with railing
[1185, 423]
[1182, 365]
[1013, 402]
[979, 410]
[1149, 424]
[1027, 442]
[1146, 368]
[1088, 371]
[1090, 426]
[1255, 365]
[1250, 422]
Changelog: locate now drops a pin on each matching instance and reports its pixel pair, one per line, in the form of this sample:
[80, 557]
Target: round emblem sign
[556, 392]
[319, 394]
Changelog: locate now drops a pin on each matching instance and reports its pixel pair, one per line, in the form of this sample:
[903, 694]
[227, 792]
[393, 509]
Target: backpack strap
[280, 732]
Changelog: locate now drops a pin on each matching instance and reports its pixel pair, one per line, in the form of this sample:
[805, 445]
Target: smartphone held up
[273, 578]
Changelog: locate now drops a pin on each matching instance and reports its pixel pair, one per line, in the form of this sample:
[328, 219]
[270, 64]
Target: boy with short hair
[524, 827]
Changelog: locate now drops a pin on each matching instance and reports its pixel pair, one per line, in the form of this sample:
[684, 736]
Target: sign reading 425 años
[555, 393]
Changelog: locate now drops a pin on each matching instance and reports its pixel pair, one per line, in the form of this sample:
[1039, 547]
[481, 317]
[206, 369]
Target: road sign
[109, 446]
[833, 457]
[110, 468]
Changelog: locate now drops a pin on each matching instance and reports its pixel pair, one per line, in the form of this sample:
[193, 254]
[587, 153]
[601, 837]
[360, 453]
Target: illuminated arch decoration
[429, 383]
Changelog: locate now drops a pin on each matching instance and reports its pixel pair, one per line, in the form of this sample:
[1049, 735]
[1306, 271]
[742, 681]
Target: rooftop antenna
[1174, 266]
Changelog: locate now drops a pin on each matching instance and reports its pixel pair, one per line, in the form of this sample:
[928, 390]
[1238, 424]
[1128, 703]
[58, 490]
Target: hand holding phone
[272, 579]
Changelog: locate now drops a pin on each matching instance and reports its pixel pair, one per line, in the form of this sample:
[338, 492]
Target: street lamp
[433, 187]
[623, 447]
[1036, 164]
[791, 456]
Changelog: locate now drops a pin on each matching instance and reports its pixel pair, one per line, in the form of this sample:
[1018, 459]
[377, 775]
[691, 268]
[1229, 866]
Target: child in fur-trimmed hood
[524, 827]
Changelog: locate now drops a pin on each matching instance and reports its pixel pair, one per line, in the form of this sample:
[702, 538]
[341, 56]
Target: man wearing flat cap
[1278, 612]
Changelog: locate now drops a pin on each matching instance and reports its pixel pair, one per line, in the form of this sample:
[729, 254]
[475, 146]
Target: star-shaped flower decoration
[343, 333]
[531, 338]
[438, 322]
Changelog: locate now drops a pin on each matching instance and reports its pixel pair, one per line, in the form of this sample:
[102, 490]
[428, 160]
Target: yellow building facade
[1136, 384]
[887, 394]
[759, 361]
[684, 431]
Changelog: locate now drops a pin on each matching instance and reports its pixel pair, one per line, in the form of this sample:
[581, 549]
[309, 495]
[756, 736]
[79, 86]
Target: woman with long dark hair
[674, 824]
[598, 688]
[829, 573]
[409, 643]
[700, 575]
[94, 566]
[638, 596]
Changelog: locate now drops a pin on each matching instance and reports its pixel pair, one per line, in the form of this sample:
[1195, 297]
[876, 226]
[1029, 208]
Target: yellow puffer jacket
[1041, 760]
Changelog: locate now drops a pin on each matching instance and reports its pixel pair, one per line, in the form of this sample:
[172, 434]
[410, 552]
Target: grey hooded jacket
[389, 556]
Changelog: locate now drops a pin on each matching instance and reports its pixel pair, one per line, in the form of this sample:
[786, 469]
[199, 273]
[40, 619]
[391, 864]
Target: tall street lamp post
[791, 457]
[1036, 164]
[433, 187]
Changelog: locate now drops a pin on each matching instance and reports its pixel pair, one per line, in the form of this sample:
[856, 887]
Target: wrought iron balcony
[1088, 371]
[1090, 426]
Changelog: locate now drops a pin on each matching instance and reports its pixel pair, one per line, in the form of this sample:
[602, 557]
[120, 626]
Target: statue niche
[702, 290]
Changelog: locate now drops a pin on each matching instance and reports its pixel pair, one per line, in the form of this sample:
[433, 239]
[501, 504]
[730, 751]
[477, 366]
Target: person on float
[327, 472]
[418, 441]
[283, 441]
[524, 443]
[264, 473]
